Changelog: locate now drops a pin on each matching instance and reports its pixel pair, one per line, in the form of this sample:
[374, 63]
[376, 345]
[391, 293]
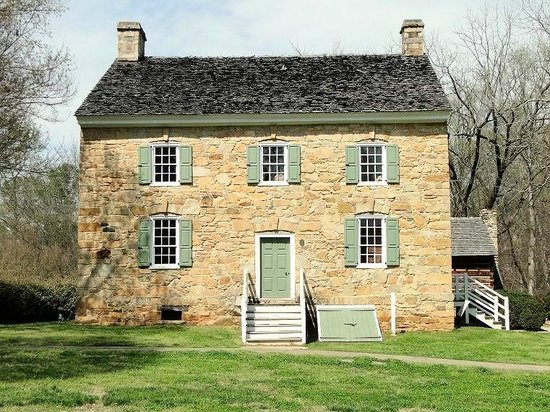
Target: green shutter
[293, 164]
[144, 167]
[186, 250]
[186, 164]
[253, 164]
[392, 159]
[350, 242]
[352, 165]
[144, 246]
[392, 241]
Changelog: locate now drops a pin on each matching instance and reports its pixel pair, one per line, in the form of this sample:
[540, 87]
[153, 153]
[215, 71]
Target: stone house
[203, 175]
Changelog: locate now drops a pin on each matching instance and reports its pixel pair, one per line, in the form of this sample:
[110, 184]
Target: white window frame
[384, 181]
[152, 243]
[284, 182]
[164, 144]
[383, 264]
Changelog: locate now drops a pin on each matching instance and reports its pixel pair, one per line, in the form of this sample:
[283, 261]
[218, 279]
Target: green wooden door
[275, 267]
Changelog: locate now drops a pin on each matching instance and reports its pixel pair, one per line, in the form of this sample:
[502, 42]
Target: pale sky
[236, 28]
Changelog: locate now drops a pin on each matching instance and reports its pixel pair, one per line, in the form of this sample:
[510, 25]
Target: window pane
[165, 241]
[273, 163]
[165, 163]
[370, 240]
[370, 163]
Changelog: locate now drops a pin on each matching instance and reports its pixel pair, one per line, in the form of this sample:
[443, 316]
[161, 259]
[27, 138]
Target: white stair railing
[481, 297]
[303, 304]
[244, 305]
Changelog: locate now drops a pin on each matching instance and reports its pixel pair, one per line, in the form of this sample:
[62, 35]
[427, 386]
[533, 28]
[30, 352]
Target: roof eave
[472, 254]
[95, 121]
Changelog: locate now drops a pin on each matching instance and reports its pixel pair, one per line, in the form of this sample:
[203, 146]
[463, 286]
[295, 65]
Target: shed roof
[266, 85]
[470, 237]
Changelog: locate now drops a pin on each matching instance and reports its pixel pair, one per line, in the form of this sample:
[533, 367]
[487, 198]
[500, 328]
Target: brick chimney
[131, 41]
[412, 37]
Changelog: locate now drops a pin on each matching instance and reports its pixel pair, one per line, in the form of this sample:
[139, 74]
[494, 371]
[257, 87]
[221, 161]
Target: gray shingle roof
[470, 237]
[239, 85]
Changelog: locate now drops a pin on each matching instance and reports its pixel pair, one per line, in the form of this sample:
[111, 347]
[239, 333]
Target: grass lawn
[57, 379]
[469, 343]
[465, 343]
[72, 334]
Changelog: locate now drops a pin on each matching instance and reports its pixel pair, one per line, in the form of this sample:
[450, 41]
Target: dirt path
[302, 351]
[404, 358]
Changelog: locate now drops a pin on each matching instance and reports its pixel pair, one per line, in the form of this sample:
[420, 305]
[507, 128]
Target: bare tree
[34, 78]
[498, 82]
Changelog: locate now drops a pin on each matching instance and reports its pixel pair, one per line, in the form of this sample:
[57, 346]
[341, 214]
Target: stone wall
[227, 212]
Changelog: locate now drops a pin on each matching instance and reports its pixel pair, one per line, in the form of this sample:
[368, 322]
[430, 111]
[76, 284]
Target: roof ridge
[254, 56]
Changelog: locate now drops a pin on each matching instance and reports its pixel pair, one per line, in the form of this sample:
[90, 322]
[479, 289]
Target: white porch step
[273, 322]
[274, 329]
[271, 337]
[272, 316]
[273, 308]
[486, 319]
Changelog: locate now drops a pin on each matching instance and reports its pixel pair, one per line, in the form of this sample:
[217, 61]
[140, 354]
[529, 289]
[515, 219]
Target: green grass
[55, 380]
[464, 343]
[72, 334]
[467, 343]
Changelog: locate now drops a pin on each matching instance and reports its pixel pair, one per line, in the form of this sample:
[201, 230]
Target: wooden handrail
[244, 305]
[303, 304]
[482, 297]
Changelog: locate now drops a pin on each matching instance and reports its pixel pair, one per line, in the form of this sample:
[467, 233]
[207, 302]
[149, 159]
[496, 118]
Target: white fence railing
[475, 294]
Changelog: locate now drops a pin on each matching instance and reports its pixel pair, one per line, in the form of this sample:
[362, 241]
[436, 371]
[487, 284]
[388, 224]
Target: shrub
[36, 303]
[526, 311]
[546, 301]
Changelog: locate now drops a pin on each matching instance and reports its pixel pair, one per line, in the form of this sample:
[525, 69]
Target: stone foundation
[227, 213]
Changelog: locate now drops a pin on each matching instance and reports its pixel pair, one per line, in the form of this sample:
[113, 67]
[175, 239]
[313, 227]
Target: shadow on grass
[20, 365]
[72, 334]
[64, 333]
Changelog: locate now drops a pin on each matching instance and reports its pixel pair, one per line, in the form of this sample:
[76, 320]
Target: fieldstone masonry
[131, 41]
[227, 213]
[412, 37]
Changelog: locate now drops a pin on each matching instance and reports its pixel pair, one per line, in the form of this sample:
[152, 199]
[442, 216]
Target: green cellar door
[275, 267]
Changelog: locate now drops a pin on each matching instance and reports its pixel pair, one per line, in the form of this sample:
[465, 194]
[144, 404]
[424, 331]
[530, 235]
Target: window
[372, 249]
[273, 160]
[371, 241]
[165, 164]
[371, 163]
[165, 242]
[272, 164]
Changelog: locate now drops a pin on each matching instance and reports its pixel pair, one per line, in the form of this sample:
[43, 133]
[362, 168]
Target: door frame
[257, 259]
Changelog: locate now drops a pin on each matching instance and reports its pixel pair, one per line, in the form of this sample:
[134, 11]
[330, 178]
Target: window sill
[372, 266]
[372, 184]
[158, 184]
[273, 184]
[162, 267]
